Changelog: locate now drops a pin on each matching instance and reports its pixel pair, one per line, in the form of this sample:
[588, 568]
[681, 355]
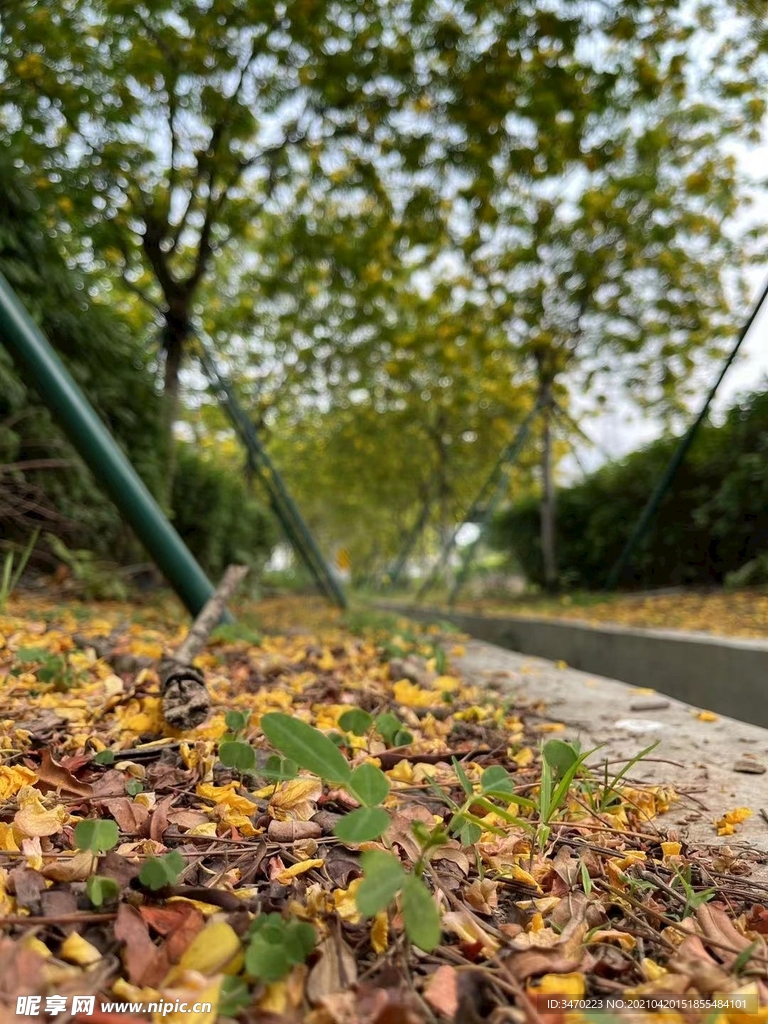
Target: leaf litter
[355, 835]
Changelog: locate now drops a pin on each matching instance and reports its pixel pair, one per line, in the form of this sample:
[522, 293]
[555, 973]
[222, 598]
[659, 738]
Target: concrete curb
[723, 674]
[715, 762]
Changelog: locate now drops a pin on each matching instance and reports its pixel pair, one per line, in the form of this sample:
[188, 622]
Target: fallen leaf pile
[136, 867]
[741, 613]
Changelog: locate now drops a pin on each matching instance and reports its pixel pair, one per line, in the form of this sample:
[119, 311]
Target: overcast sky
[618, 430]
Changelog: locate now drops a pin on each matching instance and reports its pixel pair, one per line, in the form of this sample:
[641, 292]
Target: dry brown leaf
[141, 955]
[335, 971]
[716, 924]
[56, 776]
[442, 991]
[482, 895]
[77, 868]
[531, 963]
[158, 823]
[292, 831]
[187, 819]
[21, 970]
[129, 815]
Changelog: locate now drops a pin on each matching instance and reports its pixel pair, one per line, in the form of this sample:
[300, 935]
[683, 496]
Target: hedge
[711, 528]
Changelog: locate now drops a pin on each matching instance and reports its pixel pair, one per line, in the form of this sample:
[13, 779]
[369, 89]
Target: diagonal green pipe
[39, 364]
[283, 505]
[657, 495]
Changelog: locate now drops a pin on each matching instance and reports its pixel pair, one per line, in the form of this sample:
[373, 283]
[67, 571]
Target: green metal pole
[410, 541]
[282, 503]
[38, 362]
[507, 457]
[652, 505]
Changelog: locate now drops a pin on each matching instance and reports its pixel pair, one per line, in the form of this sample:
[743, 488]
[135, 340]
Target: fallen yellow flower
[285, 876]
[725, 825]
[14, 779]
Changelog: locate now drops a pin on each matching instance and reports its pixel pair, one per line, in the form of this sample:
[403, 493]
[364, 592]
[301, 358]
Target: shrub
[217, 516]
[711, 524]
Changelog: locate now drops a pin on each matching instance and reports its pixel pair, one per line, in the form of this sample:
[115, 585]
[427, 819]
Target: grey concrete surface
[697, 756]
[727, 675]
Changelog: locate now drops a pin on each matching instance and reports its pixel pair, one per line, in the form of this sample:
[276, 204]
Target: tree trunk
[174, 355]
[548, 512]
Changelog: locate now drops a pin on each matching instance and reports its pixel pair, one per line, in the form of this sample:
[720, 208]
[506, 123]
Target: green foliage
[12, 570]
[235, 996]
[234, 751]
[559, 767]
[391, 730]
[383, 878]
[356, 721]
[307, 746]
[104, 757]
[420, 916]
[159, 872]
[98, 579]
[49, 668]
[237, 754]
[369, 784]
[560, 756]
[276, 945]
[693, 898]
[133, 787]
[711, 525]
[43, 473]
[362, 825]
[101, 889]
[236, 721]
[96, 835]
[279, 769]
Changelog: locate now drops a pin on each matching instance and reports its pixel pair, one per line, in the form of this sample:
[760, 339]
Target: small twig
[58, 919]
[209, 617]
[186, 701]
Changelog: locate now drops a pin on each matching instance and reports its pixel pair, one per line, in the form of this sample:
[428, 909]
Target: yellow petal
[707, 716]
[402, 772]
[14, 779]
[571, 985]
[380, 932]
[33, 819]
[211, 951]
[78, 951]
[296, 800]
[652, 970]
[345, 903]
[737, 815]
[523, 757]
[411, 695]
[8, 842]
[521, 875]
[37, 946]
[226, 795]
[446, 684]
[469, 930]
[295, 870]
[671, 849]
[208, 829]
[206, 909]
